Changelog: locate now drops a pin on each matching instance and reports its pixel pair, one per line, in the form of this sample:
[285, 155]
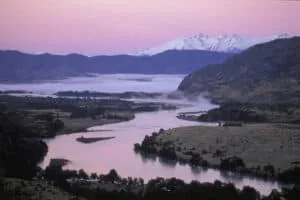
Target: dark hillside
[21, 67]
[266, 73]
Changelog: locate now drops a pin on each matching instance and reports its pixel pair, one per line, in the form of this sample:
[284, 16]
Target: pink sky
[95, 27]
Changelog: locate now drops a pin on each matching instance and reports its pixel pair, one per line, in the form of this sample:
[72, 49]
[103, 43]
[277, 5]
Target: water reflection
[231, 177]
[196, 169]
[167, 163]
[118, 153]
[147, 157]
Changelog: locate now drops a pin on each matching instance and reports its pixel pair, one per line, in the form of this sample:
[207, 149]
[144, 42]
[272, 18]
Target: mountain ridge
[17, 66]
[268, 72]
[221, 43]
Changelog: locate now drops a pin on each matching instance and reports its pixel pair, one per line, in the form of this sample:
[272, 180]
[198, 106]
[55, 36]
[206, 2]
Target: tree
[94, 176]
[82, 174]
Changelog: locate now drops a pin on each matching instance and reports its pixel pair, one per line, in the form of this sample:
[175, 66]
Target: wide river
[118, 153]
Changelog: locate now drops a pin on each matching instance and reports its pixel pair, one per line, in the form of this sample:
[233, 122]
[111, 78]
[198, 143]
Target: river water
[118, 153]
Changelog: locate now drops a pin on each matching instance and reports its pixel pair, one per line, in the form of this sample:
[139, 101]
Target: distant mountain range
[22, 67]
[265, 73]
[180, 56]
[220, 43]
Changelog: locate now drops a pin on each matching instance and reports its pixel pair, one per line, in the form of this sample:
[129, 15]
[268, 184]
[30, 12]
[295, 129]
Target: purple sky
[95, 27]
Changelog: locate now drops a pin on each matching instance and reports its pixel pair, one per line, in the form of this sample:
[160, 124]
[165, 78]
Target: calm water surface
[118, 153]
[103, 83]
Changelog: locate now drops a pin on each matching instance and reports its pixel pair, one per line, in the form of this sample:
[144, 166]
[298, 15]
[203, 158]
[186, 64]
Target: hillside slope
[265, 73]
[20, 67]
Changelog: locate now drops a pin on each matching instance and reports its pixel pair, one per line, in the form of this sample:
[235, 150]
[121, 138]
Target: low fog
[113, 83]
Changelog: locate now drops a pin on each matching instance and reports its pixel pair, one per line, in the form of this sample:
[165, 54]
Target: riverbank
[49, 116]
[75, 125]
[112, 185]
[123, 95]
[85, 187]
[56, 183]
[263, 150]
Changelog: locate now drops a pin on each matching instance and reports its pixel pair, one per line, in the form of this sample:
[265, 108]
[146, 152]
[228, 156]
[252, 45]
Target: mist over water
[113, 83]
[118, 153]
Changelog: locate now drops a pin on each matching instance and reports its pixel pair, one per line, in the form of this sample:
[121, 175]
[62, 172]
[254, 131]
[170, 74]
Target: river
[118, 153]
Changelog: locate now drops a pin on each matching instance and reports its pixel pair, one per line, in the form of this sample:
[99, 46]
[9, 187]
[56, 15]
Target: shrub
[168, 152]
[290, 175]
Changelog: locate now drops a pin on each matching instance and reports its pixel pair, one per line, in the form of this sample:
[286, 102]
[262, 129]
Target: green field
[256, 144]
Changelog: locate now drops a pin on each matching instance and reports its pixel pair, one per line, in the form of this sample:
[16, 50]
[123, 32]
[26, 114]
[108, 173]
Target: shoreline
[84, 128]
[81, 184]
[176, 144]
[192, 118]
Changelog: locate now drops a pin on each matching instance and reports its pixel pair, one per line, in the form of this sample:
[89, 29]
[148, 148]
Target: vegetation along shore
[257, 92]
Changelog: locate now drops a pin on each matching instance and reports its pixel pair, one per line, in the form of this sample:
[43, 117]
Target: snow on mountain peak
[219, 43]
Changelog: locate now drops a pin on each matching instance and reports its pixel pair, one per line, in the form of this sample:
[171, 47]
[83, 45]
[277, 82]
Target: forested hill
[265, 73]
[21, 67]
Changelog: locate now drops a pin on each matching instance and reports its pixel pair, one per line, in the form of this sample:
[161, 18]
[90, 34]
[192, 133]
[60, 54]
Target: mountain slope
[265, 73]
[16, 66]
[220, 43]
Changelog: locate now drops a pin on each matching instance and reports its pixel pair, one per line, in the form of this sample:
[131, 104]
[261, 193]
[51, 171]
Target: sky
[94, 27]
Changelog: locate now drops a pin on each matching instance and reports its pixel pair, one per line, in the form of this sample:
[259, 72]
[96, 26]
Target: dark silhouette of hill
[21, 67]
[265, 73]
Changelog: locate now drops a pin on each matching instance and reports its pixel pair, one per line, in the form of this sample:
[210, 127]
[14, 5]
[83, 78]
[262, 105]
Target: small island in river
[92, 139]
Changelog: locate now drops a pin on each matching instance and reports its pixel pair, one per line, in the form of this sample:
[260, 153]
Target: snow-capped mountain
[220, 43]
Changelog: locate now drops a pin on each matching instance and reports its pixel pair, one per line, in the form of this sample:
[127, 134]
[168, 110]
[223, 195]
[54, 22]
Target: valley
[18, 67]
[258, 116]
[256, 153]
[149, 100]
